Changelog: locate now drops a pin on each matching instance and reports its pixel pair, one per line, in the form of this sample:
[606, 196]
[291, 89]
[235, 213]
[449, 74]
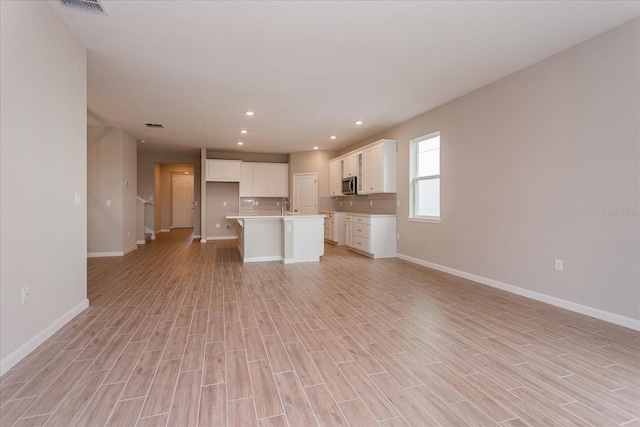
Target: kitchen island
[289, 238]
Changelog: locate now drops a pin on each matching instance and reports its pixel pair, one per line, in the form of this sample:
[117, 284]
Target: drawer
[361, 243]
[362, 230]
[361, 219]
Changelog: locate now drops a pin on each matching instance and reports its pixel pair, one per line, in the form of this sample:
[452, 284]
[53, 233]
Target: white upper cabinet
[246, 179]
[374, 165]
[277, 180]
[223, 170]
[264, 179]
[335, 178]
[350, 165]
[379, 168]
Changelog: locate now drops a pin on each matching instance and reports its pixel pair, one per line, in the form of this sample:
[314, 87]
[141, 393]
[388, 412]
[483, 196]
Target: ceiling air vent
[90, 5]
[154, 125]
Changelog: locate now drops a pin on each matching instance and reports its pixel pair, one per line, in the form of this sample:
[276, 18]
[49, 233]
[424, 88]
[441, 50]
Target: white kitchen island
[285, 238]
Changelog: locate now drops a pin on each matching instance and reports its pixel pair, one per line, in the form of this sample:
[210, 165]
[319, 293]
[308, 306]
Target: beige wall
[316, 161]
[531, 165]
[111, 176]
[130, 190]
[149, 165]
[43, 141]
[165, 204]
[219, 193]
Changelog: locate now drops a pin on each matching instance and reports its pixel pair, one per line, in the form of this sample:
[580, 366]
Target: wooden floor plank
[183, 333]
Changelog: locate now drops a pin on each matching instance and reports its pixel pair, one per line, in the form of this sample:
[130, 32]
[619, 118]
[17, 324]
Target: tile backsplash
[381, 204]
[260, 204]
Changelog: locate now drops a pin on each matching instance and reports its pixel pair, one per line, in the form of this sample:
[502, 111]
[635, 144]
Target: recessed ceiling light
[243, 131]
[315, 148]
[141, 141]
[332, 137]
[359, 122]
[249, 113]
[240, 142]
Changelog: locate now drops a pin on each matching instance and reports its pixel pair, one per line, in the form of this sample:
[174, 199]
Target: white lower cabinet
[334, 227]
[372, 235]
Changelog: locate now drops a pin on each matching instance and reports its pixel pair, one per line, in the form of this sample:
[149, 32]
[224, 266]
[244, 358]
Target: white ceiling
[308, 69]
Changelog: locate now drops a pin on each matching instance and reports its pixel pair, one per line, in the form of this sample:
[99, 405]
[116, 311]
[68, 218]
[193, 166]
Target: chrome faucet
[285, 200]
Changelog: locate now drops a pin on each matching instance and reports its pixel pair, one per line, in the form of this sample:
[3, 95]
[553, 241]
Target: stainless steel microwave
[349, 186]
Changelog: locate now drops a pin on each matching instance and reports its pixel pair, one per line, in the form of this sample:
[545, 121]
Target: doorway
[305, 193]
[182, 201]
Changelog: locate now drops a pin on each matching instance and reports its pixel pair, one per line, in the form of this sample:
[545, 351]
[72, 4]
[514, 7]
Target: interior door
[182, 201]
[305, 193]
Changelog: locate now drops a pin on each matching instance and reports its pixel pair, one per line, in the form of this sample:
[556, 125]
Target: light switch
[108, 203]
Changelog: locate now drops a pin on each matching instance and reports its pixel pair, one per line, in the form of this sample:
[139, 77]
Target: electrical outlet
[224, 203]
[398, 236]
[217, 225]
[277, 203]
[350, 203]
[25, 294]
[398, 203]
[370, 202]
[559, 265]
[108, 202]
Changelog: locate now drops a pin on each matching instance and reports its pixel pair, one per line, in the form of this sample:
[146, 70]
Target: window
[425, 178]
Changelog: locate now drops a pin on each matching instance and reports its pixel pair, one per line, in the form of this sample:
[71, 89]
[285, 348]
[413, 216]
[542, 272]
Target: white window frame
[413, 170]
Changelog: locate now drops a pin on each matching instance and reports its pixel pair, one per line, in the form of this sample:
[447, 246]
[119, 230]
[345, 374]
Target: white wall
[111, 168]
[531, 164]
[43, 146]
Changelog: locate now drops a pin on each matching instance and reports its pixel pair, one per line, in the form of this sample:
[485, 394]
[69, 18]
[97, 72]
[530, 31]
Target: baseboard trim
[222, 238]
[616, 319]
[263, 258]
[165, 230]
[104, 254]
[21, 352]
[131, 249]
[196, 236]
[140, 242]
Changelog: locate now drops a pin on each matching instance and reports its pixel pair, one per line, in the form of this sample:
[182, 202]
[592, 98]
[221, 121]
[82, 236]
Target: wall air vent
[154, 125]
[90, 5]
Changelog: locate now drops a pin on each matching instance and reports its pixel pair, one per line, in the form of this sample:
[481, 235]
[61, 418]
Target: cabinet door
[348, 227]
[350, 166]
[246, 180]
[259, 180]
[277, 180]
[335, 180]
[232, 171]
[223, 170]
[372, 170]
[215, 170]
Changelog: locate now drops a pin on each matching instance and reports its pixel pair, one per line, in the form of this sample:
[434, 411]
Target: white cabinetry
[350, 165]
[277, 179]
[379, 168]
[372, 235]
[335, 178]
[223, 170]
[264, 180]
[334, 227]
[374, 165]
[246, 180]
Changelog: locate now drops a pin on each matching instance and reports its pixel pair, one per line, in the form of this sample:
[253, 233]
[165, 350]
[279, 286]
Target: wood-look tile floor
[181, 333]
